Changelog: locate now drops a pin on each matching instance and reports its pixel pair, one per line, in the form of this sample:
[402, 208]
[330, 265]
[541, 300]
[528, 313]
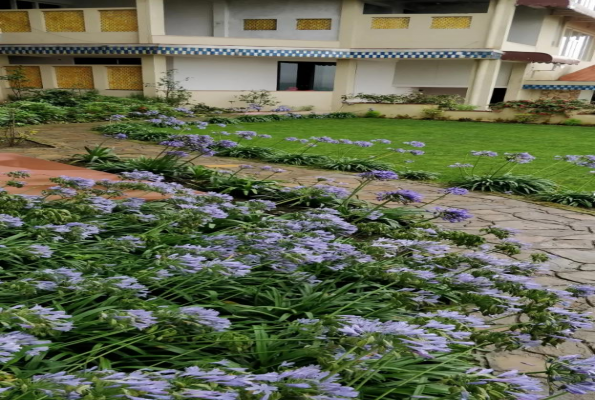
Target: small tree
[172, 90]
[11, 136]
[257, 99]
[19, 83]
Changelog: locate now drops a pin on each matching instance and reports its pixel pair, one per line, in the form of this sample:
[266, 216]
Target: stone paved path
[567, 235]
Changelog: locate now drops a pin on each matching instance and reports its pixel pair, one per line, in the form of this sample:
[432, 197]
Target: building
[310, 52]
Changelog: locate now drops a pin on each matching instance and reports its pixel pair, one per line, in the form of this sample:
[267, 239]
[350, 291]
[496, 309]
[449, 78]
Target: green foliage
[371, 113]
[464, 107]
[18, 81]
[545, 107]
[222, 120]
[445, 101]
[277, 117]
[96, 154]
[258, 98]
[298, 159]
[433, 114]
[64, 97]
[171, 90]
[570, 198]
[356, 164]
[525, 118]
[572, 122]
[247, 152]
[513, 184]
[418, 175]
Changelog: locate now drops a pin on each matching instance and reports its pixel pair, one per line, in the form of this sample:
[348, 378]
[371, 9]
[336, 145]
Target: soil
[26, 144]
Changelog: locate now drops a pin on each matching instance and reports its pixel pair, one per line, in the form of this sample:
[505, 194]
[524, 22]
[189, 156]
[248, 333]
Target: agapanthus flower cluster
[379, 175]
[484, 153]
[519, 158]
[404, 196]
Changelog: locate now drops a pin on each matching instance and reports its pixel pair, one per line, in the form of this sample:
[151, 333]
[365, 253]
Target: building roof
[582, 75]
[536, 57]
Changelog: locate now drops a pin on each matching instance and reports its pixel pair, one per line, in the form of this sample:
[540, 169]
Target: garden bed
[207, 297]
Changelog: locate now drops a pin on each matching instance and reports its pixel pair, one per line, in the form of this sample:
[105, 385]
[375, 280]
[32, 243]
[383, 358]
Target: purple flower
[415, 144]
[459, 165]
[519, 158]
[8, 221]
[173, 143]
[452, 214]
[206, 317]
[291, 139]
[39, 250]
[142, 176]
[140, 319]
[379, 175]
[404, 196]
[177, 153]
[361, 143]
[486, 153]
[417, 152]
[457, 191]
[227, 144]
[12, 343]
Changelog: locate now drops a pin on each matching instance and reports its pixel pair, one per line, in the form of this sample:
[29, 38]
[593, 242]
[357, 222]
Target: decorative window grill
[14, 21]
[125, 78]
[320, 24]
[260, 24]
[451, 22]
[390, 22]
[64, 21]
[74, 77]
[32, 76]
[119, 21]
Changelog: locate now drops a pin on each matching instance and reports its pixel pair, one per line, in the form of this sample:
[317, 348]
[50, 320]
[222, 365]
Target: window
[576, 45]
[426, 7]
[318, 76]
[323, 24]
[260, 24]
[106, 61]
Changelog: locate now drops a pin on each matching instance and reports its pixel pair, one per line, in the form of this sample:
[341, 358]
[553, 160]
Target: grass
[447, 142]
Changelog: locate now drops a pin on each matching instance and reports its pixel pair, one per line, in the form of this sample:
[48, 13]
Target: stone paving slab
[564, 234]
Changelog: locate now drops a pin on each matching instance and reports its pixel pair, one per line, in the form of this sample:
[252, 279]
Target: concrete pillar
[92, 20]
[4, 86]
[500, 22]
[154, 68]
[350, 11]
[515, 89]
[100, 78]
[482, 83]
[151, 19]
[344, 81]
[48, 77]
[220, 18]
[36, 20]
[586, 95]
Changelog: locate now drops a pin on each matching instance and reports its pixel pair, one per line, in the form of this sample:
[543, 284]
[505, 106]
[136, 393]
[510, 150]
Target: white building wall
[286, 12]
[376, 77]
[214, 73]
[526, 25]
[188, 18]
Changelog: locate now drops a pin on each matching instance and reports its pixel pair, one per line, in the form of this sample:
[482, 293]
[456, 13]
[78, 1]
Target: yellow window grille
[321, 24]
[125, 78]
[451, 22]
[390, 22]
[14, 21]
[32, 77]
[260, 24]
[119, 21]
[64, 21]
[74, 77]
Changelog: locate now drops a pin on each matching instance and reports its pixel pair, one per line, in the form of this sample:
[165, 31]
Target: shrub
[356, 165]
[510, 184]
[418, 175]
[445, 101]
[222, 120]
[96, 154]
[127, 128]
[433, 114]
[297, 159]
[372, 114]
[570, 198]
[403, 116]
[247, 152]
[464, 107]
[545, 106]
[257, 99]
[44, 112]
[63, 97]
[525, 118]
[572, 122]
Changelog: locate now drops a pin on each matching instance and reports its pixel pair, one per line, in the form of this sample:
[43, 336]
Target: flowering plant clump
[201, 296]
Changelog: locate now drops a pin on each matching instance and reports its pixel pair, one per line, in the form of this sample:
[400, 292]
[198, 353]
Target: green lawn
[446, 143]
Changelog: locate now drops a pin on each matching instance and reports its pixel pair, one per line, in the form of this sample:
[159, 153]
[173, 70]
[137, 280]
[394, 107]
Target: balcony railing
[88, 20]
